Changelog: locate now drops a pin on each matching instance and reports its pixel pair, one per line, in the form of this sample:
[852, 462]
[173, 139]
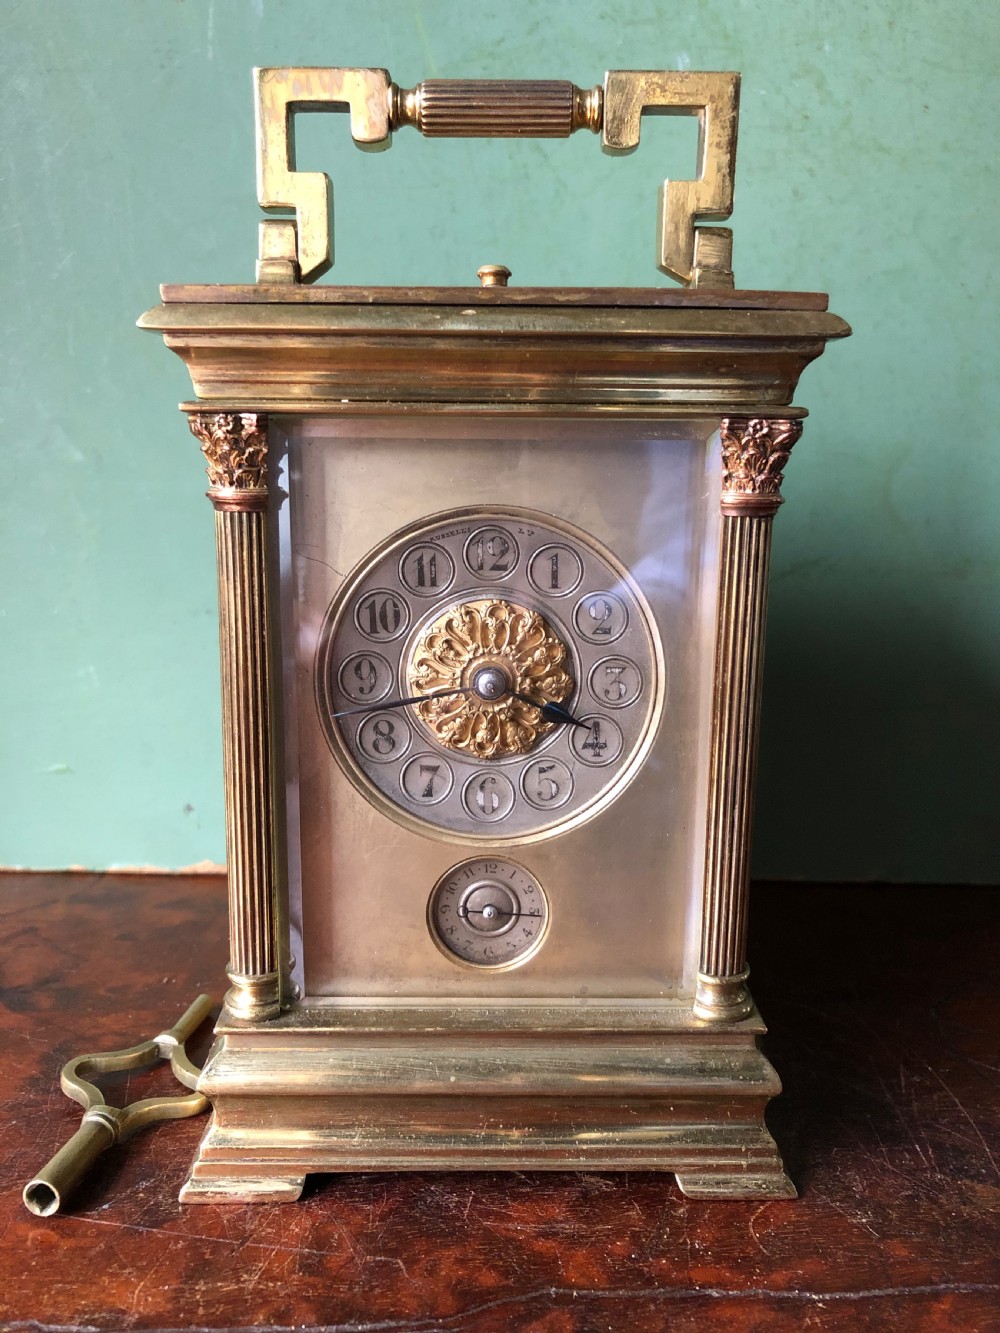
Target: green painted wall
[865, 169]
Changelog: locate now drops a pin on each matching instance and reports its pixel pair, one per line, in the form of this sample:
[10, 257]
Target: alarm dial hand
[485, 911]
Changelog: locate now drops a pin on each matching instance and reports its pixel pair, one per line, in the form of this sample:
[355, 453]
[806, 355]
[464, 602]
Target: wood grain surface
[884, 1015]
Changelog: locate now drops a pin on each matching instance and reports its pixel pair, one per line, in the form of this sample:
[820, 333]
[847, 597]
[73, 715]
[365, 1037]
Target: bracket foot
[736, 1184]
[242, 1189]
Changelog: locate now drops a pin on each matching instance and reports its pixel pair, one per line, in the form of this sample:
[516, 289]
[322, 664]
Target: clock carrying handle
[300, 250]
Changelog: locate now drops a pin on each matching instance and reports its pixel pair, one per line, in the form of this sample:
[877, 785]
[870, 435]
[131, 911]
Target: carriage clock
[492, 577]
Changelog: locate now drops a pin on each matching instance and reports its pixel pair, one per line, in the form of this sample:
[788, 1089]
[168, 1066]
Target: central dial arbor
[503, 655]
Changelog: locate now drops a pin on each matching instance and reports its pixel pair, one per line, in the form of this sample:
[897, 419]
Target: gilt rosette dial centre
[493, 650]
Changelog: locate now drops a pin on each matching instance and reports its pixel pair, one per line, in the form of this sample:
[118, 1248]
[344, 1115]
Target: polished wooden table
[886, 1029]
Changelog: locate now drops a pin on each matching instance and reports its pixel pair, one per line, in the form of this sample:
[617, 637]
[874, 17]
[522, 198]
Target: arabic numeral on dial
[491, 553]
[546, 783]
[594, 742]
[426, 569]
[384, 741]
[616, 682]
[426, 779]
[381, 615]
[600, 614]
[488, 797]
[365, 677]
[601, 617]
[384, 737]
[555, 570]
[601, 743]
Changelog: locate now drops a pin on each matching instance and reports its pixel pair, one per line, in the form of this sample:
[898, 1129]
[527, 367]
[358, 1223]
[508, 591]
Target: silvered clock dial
[489, 675]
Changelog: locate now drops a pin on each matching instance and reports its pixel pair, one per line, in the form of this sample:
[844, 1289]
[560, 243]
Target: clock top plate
[294, 294]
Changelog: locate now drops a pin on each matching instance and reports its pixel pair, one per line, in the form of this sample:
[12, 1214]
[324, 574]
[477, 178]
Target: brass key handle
[300, 251]
[104, 1125]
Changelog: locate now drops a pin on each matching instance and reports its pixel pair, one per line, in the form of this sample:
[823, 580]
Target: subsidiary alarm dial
[488, 913]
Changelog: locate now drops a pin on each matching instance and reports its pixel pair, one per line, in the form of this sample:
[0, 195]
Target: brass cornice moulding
[659, 351]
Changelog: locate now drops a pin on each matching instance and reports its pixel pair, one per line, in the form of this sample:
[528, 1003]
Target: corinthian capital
[235, 449]
[754, 452]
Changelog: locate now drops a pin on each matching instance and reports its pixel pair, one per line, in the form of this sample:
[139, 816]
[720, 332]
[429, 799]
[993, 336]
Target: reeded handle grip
[497, 108]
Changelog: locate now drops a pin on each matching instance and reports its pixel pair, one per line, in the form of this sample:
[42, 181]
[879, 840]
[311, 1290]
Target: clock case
[607, 1084]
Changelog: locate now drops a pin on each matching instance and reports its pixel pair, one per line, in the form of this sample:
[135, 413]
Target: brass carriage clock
[492, 576]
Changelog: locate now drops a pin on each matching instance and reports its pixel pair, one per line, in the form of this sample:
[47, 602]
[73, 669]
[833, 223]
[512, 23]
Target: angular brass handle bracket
[696, 256]
[466, 108]
[103, 1125]
[280, 93]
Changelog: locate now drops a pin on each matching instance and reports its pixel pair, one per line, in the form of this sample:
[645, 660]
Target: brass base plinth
[393, 1093]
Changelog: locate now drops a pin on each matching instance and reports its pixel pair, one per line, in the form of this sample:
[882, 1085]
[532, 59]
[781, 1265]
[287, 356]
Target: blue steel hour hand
[552, 712]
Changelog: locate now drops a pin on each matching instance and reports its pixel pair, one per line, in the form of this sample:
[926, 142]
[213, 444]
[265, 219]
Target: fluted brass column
[754, 451]
[235, 447]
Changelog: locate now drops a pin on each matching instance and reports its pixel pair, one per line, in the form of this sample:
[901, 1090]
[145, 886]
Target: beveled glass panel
[606, 532]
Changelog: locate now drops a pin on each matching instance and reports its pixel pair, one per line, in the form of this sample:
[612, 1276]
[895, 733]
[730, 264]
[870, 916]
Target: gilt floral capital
[754, 453]
[235, 449]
